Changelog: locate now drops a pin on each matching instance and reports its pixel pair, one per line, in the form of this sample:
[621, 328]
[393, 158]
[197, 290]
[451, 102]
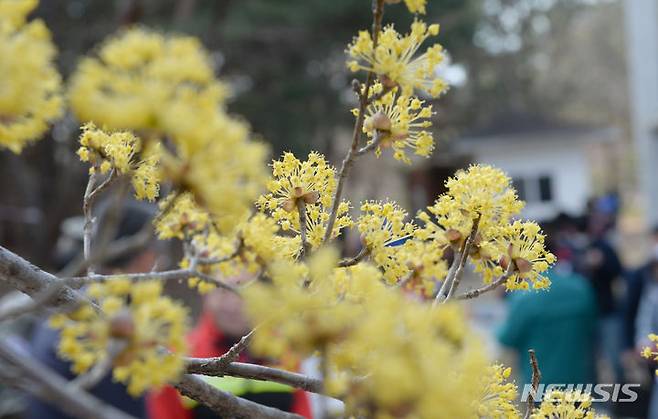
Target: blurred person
[604, 270]
[558, 323]
[132, 216]
[222, 324]
[646, 323]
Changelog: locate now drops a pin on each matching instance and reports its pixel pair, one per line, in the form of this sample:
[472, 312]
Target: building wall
[641, 17]
[563, 162]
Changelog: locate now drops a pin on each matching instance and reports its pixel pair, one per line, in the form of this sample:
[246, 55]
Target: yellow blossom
[119, 151]
[565, 405]
[399, 122]
[394, 60]
[30, 86]
[150, 328]
[651, 352]
[498, 396]
[383, 230]
[311, 182]
[522, 244]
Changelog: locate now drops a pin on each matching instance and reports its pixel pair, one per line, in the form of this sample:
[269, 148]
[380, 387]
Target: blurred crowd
[590, 327]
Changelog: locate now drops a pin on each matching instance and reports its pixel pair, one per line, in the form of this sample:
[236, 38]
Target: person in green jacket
[559, 324]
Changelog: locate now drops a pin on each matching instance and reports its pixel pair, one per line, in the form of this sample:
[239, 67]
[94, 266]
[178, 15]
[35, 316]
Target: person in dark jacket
[132, 217]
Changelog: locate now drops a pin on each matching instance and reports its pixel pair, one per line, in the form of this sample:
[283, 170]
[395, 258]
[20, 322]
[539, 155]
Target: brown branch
[226, 404]
[354, 260]
[301, 209]
[41, 381]
[216, 367]
[348, 161]
[91, 193]
[448, 279]
[489, 287]
[462, 261]
[536, 377]
[175, 274]
[20, 274]
[376, 140]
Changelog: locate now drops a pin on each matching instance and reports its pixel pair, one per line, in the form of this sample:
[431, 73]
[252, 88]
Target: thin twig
[378, 14]
[376, 140]
[301, 209]
[536, 378]
[91, 193]
[462, 261]
[355, 259]
[489, 287]
[175, 274]
[448, 279]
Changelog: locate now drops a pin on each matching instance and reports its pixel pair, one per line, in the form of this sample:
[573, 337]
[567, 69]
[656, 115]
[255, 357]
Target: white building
[551, 164]
[642, 40]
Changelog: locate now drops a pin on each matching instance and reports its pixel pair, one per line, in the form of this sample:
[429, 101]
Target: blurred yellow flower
[30, 86]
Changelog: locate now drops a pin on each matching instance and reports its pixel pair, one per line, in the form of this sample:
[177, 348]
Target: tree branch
[45, 384]
[378, 14]
[536, 377]
[226, 404]
[354, 260]
[489, 287]
[301, 209]
[27, 278]
[464, 257]
[217, 367]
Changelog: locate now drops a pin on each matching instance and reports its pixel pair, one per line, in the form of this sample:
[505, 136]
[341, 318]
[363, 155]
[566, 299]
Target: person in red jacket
[221, 325]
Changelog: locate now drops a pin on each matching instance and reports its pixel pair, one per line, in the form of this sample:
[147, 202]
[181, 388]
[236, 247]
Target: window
[545, 189]
[534, 189]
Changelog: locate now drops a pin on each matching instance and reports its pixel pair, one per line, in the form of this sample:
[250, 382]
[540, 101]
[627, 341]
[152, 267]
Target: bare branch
[91, 193]
[215, 367]
[354, 260]
[42, 382]
[301, 209]
[489, 287]
[175, 274]
[536, 377]
[348, 161]
[448, 279]
[226, 404]
[462, 261]
[27, 278]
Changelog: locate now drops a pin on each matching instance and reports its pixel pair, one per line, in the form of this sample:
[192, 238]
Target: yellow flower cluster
[30, 85]
[164, 87]
[371, 336]
[651, 352]
[399, 122]
[522, 244]
[120, 151]
[312, 183]
[414, 6]
[382, 225]
[565, 405]
[142, 80]
[147, 328]
[394, 58]
[482, 199]
[498, 397]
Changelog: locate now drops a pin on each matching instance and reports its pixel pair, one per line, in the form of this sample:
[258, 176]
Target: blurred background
[561, 94]
[540, 88]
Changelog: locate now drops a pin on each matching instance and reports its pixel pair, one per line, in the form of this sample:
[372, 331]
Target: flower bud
[122, 325]
[379, 121]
